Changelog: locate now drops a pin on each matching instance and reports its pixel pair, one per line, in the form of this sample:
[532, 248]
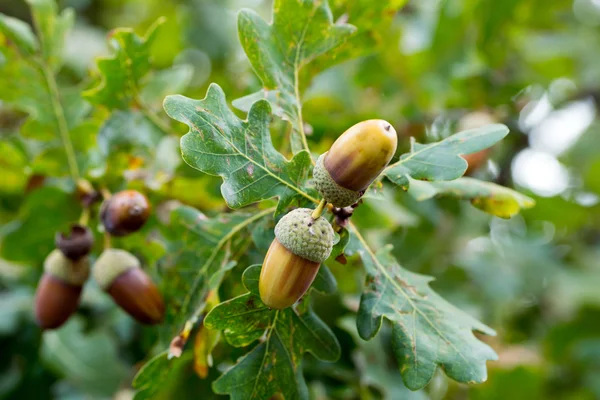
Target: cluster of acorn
[116, 271]
[304, 238]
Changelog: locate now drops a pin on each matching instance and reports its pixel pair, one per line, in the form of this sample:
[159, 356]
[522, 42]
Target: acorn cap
[67, 270]
[77, 243]
[111, 264]
[311, 239]
[330, 190]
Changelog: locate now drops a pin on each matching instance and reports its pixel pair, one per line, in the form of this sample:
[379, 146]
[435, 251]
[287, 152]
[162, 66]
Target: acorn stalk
[59, 290]
[119, 273]
[292, 262]
[354, 161]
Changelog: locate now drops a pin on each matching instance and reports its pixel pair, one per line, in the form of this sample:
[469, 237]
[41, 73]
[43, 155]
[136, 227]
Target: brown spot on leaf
[250, 169]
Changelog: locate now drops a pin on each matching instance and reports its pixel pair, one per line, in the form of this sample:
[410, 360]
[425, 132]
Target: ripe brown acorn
[354, 161]
[58, 293]
[292, 262]
[77, 243]
[125, 212]
[119, 273]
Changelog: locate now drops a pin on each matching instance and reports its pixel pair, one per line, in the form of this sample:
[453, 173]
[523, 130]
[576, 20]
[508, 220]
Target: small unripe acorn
[77, 243]
[58, 293]
[125, 212]
[301, 244]
[119, 273]
[354, 161]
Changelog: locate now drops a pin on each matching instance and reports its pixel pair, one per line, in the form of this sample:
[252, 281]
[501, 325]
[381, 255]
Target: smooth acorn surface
[285, 277]
[58, 292]
[359, 155]
[75, 244]
[55, 301]
[137, 295]
[125, 212]
[119, 273]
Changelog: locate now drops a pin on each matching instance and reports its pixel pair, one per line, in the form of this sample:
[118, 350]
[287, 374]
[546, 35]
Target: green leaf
[427, 331]
[241, 152]
[20, 33]
[301, 31]
[200, 252]
[121, 73]
[52, 29]
[88, 360]
[155, 375]
[274, 365]
[487, 196]
[441, 161]
[172, 80]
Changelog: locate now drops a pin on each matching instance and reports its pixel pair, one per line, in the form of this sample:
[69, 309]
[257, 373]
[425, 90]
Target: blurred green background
[533, 65]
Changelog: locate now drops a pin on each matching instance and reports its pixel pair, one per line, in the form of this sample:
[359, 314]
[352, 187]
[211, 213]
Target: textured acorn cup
[125, 212]
[118, 272]
[354, 161]
[301, 244]
[58, 293]
[77, 243]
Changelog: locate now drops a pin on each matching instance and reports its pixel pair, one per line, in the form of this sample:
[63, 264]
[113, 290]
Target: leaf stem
[319, 210]
[85, 216]
[61, 122]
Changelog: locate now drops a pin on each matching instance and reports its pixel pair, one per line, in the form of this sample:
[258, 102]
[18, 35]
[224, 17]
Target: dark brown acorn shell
[55, 301]
[125, 212]
[137, 295]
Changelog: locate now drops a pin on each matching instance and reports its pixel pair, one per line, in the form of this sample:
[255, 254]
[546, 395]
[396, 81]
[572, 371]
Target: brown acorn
[58, 293]
[77, 243]
[125, 212]
[119, 273]
[301, 244]
[354, 161]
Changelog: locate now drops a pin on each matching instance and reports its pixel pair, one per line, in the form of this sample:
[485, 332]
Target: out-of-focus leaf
[487, 196]
[14, 304]
[44, 212]
[121, 73]
[427, 331]
[88, 360]
[155, 375]
[441, 161]
[165, 82]
[273, 366]
[12, 164]
[241, 152]
[128, 131]
[20, 33]
[301, 31]
[52, 28]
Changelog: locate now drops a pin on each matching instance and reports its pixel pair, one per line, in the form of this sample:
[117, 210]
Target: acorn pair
[117, 272]
[303, 239]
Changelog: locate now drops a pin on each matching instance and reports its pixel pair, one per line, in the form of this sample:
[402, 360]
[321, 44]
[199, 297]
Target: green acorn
[119, 273]
[58, 293]
[301, 244]
[354, 161]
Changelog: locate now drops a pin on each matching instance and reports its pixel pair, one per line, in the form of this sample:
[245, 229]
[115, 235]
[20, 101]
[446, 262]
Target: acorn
[119, 273]
[77, 243]
[58, 293]
[125, 212]
[301, 244]
[354, 161]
